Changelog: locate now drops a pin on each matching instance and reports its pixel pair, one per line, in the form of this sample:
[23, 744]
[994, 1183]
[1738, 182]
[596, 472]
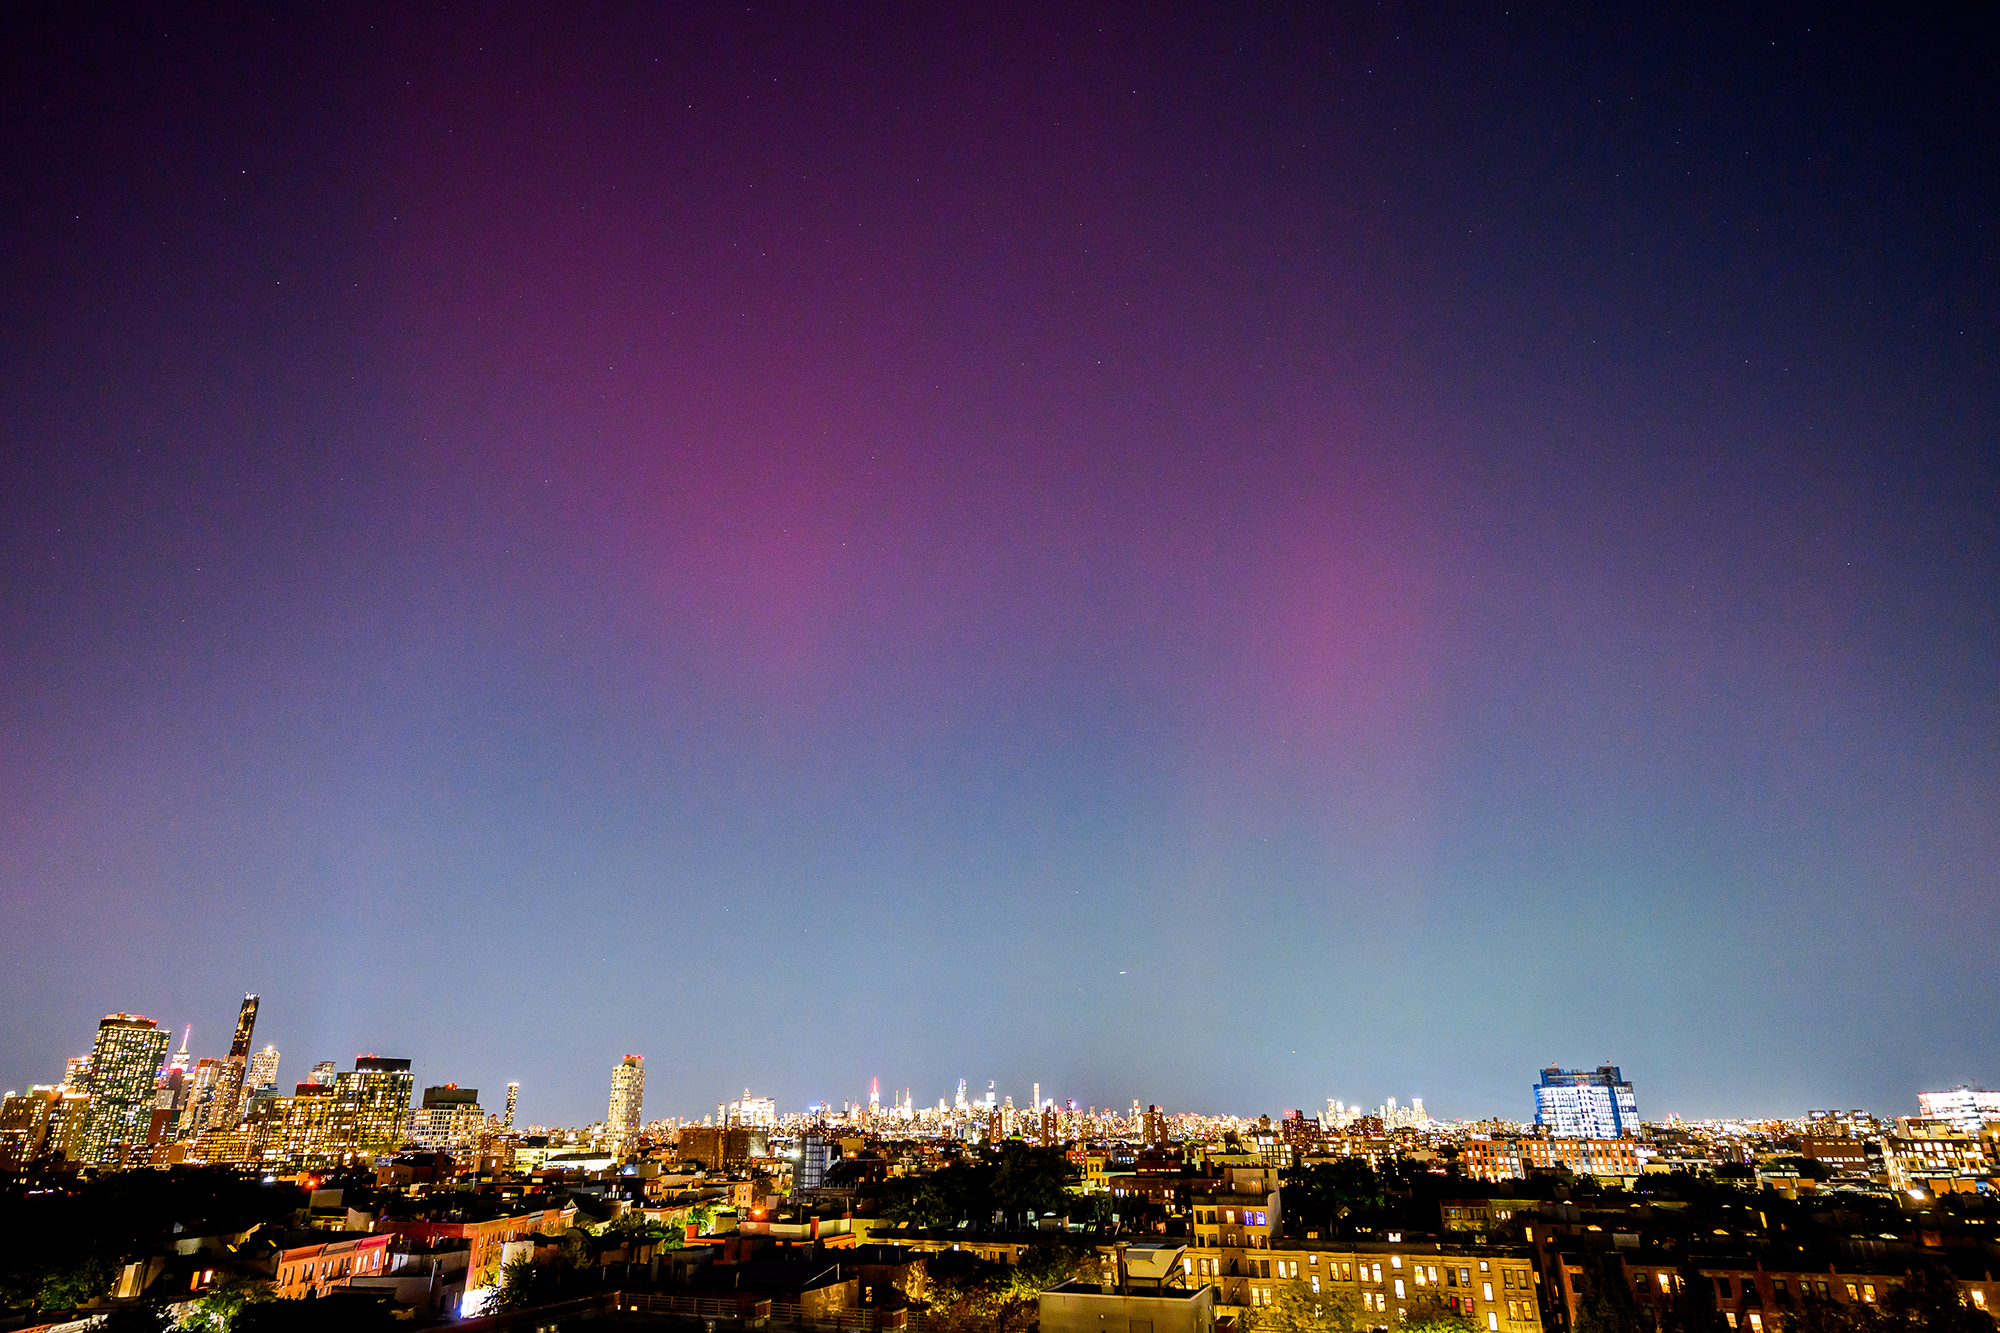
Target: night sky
[1216, 560]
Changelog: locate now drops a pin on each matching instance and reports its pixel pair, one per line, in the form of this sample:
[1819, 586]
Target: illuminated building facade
[26, 1119]
[1586, 1103]
[371, 1106]
[197, 1098]
[264, 1069]
[1966, 1107]
[628, 1094]
[227, 1107]
[513, 1096]
[123, 1066]
[449, 1120]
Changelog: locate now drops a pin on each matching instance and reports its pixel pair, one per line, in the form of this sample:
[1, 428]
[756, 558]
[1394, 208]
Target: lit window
[1492, 1320]
[1399, 1289]
[1486, 1290]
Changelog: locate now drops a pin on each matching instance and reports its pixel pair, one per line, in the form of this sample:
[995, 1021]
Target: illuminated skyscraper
[628, 1093]
[371, 1106]
[323, 1074]
[448, 1121]
[513, 1095]
[198, 1097]
[228, 1106]
[1585, 1103]
[123, 1066]
[264, 1069]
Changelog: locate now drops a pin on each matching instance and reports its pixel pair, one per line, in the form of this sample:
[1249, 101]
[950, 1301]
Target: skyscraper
[228, 1107]
[448, 1121]
[264, 1069]
[323, 1073]
[123, 1065]
[1586, 1103]
[198, 1097]
[513, 1095]
[628, 1092]
[371, 1107]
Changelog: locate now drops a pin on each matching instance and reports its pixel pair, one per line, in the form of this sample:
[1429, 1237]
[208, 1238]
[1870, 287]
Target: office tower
[123, 1066]
[197, 1096]
[371, 1106]
[448, 1121]
[960, 1103]
[264, 1069]
[513, 1094]
[323, 1074]
[1038, 1096]
[874, 1098]
[228, 1106]
[628, 1093]
[989, 1094]
[181, 1063]
[1586, 1104]
[76, 1073]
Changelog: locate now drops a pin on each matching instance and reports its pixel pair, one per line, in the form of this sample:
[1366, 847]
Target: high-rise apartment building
[371, 1106]
[263, 1073]
[628, 1093]
[123, 1065]
[448, 1121]
[513, 1095]
[1586, 1103]
[25, 1122]
[197, 1098]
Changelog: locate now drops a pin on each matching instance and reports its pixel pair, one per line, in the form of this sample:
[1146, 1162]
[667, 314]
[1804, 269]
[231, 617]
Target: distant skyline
[1228, 559]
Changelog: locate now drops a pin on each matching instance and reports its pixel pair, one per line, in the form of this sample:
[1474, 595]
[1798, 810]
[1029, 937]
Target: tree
[1048, 1263]
[1296, 1308]
[1932, 1300]
[1029, 1180]
[1606, 1305]
[525, 1284]
[219, 1309]
[74, 1284]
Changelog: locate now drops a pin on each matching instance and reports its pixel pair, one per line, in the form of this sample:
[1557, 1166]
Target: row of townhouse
[1754, 1296]
[1240, 1249]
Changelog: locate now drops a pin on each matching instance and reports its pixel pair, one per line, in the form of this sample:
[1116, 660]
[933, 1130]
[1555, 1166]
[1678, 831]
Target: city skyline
[953, 1093]
[1224, 557]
